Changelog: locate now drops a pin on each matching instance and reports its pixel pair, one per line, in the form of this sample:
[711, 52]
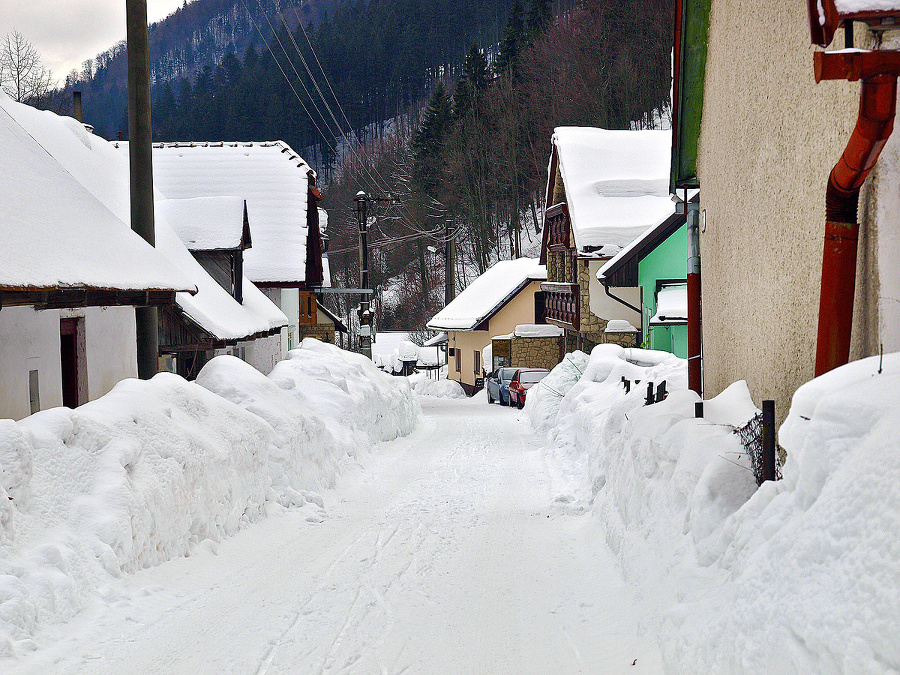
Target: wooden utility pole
[449, 262]
[140, 153]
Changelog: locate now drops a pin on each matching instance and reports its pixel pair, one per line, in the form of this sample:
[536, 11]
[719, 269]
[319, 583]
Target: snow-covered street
[444, 551]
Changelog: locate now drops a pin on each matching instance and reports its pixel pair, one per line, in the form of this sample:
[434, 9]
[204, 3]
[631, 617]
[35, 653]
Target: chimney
[76, 100]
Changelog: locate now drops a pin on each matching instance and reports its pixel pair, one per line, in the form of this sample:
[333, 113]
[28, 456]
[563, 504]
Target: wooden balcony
[557, 222]
[562, 304]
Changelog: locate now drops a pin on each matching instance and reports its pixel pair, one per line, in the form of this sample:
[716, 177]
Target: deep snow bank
[423, 385]
[140, 475]
[802, 575]
[127, 481]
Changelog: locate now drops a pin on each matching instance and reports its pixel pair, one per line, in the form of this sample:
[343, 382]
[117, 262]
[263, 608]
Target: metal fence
[752, 439]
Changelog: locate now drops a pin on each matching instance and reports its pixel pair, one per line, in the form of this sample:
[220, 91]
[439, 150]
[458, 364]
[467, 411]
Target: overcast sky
[67, 32]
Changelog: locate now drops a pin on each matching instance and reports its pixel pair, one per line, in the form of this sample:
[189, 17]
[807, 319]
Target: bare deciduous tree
[22, 75]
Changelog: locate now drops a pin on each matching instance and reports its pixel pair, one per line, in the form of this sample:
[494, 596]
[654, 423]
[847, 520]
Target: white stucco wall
[111, 347]
[29, 340]
[770, 136]
[607, 308]
[263, 353]
[289, 303]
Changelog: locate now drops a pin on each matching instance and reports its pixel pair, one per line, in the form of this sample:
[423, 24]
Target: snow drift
[801, 575]
[155, 467]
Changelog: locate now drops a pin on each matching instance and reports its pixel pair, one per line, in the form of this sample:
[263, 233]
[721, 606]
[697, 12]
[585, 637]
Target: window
[458, 361]
[477, 362]
[34, 391]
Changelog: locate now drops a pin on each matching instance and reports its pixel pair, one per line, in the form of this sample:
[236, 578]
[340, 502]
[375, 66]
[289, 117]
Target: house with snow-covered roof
[71, 271]
[604, 190]
[506, 295]
[209, 317]
[656, 263]
[279, 188]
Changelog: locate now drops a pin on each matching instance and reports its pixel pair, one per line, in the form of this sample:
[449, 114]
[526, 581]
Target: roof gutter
[877, 107]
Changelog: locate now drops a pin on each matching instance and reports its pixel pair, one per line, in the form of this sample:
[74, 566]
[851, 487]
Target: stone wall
[536, 352]
[321, 331]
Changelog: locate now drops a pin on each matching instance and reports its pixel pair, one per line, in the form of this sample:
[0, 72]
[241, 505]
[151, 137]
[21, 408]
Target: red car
[522, 381]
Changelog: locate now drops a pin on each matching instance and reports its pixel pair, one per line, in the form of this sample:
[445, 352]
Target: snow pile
[542, 402]
[303, 455]
[442, 388]
[801, 575]
[810, 572]
[360, 404]
[535, 330]
[124, 482]
[153, 468]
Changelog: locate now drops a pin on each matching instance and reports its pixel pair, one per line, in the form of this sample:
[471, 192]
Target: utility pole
[140, 153]
[365, 313]
[449, 262]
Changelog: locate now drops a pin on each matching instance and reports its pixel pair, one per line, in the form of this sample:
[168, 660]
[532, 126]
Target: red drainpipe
[877, 106]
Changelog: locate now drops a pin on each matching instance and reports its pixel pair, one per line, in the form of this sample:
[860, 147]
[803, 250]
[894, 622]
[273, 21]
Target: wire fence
[751, 435]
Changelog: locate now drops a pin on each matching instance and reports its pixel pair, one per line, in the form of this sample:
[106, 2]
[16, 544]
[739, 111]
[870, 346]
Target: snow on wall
[156, 467]
[798, 576]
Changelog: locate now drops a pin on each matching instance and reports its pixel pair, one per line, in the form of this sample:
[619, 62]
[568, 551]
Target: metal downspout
[695, 334]
[605, 284]
[877, 108]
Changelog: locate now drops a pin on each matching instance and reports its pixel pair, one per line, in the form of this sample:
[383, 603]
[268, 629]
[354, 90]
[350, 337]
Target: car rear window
[507, 373]
[530, 377]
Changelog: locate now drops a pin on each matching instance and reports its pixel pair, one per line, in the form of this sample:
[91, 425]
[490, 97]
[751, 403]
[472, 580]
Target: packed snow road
[443, 552]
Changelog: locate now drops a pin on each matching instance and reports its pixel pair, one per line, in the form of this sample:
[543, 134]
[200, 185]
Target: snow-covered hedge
[140, 475]
[423, 385]
[801, 575]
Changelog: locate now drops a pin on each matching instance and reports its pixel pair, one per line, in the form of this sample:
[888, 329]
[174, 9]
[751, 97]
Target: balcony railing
[557, 223]
[562, 303]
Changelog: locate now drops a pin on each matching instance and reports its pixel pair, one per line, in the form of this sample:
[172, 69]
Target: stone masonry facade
[536, 352]
[323, 332]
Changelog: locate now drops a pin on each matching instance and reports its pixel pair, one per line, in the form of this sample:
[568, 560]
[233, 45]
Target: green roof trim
[692, 38]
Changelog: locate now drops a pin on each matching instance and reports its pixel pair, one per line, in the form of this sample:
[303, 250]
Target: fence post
[649, 400]
[661, 392]
[768, 440]
[627, 385]
[698, 409]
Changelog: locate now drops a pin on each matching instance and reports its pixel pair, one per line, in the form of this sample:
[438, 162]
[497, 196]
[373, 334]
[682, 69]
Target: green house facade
[664, 271]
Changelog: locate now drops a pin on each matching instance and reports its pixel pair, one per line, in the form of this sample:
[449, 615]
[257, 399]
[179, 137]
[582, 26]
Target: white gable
[205, 223]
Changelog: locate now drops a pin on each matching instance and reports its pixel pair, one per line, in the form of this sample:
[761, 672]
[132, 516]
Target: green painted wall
[667, 261]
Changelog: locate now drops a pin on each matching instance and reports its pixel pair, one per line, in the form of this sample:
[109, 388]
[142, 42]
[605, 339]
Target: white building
[70, 272]
[286, 260]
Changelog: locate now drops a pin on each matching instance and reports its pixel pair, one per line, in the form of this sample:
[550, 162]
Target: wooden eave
[205, 339]
[551, 183]
[74, 297]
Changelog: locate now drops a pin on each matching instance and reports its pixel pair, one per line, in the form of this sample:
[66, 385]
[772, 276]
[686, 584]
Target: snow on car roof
[487, 294]
[56, 233]
[616, 182]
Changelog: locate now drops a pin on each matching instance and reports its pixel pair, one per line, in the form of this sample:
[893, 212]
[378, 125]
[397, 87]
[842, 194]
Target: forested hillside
[477, 161]
[234, 69]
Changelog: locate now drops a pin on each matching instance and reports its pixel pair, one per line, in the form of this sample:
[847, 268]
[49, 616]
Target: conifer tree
[512, 41]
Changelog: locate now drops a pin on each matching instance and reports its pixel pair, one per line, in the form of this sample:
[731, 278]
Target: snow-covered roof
[439, 339]
[619, 326]
[55, 231]
[103, 174]
[206, 223]
[616, 182]
[535, 330]
[270, 176]
[487, 294]
[671, 305]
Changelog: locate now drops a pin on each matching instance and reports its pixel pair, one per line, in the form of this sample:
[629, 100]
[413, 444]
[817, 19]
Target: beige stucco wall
[519, 310]
[769, 139]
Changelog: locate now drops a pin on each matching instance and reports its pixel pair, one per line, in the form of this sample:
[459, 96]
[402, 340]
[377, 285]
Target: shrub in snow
[542, 402]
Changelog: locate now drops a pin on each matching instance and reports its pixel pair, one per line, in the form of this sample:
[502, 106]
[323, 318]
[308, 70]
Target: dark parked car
[523, 380]
[497, 385]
